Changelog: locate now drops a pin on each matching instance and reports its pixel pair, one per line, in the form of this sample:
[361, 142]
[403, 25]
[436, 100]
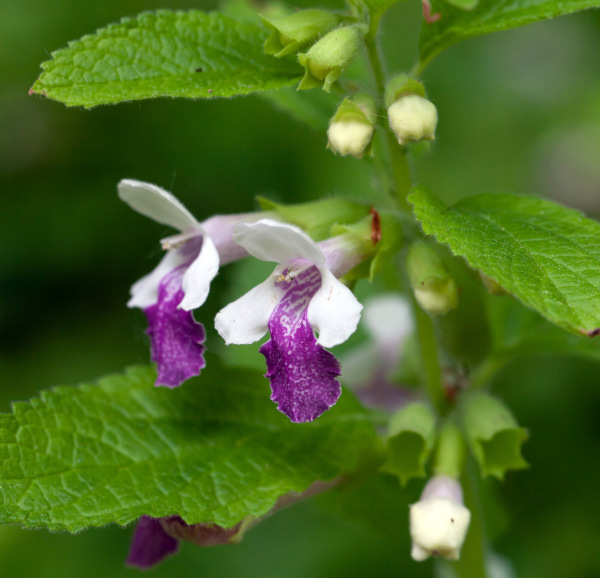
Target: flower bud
[290, 33]
[351, 128]
[411, 116]
[434, 288]
[439, 521]
[328, 58]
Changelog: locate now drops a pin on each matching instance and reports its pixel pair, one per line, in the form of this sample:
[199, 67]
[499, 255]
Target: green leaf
[411, 440]
[177, 54]
[545, 254]
[214, 450]
[375, 9]
[489, 16]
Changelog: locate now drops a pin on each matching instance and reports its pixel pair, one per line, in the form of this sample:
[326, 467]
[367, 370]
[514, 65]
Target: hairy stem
[472, 557]
[430, 363]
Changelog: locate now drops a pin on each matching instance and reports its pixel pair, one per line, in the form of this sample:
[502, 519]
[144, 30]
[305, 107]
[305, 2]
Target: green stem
[430, 364]
[396, 153]
[472, 556]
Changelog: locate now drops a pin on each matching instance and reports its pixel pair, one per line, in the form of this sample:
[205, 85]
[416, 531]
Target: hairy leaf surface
[177, 54]
[214, 450]
[545, 254]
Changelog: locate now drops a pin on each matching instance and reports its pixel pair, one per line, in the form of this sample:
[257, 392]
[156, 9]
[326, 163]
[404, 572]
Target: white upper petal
[196, 281]
[271, 240]
[145, 291]
[156, 203]
[245, 321]
[333, 312]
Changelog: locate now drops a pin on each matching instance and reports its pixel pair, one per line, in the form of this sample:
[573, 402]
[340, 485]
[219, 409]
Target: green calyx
[411, 437]
[317, 218]
[435, 290]
[360, 108]
[328, 58]
[290, 33]
[400, 86]
[493, 434]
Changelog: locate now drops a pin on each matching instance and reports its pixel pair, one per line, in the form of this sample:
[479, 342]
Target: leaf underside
[456, 25]
[175, 54]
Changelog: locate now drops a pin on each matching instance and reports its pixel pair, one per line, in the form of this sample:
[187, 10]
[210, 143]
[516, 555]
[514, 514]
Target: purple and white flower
[301, 296]
[181, 281]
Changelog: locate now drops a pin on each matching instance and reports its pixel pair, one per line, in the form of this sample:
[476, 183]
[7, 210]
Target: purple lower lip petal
[150, 544]
[301, 372]
[176, 337]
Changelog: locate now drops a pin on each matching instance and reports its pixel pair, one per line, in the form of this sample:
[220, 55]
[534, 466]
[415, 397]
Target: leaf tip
[593, 332]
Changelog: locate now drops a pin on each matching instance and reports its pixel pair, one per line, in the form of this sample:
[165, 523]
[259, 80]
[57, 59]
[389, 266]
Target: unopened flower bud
[328, 58]
[434, 288]
[351, 128]
[439, 520]
[290, 33]
[411, 116]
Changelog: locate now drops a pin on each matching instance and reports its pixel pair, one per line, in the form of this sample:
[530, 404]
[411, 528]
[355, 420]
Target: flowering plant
[206, 439]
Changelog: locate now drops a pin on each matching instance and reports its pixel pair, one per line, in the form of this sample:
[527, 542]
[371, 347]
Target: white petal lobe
[245, 321]
[334, 311]
[144, 292]
[196, 281]
[156, 203]
[271, 240]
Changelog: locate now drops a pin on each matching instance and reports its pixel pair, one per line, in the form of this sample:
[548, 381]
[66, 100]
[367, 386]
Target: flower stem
[472, 557]
[396, 154]
[430, 363]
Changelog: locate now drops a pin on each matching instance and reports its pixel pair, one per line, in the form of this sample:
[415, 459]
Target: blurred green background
[519, 111]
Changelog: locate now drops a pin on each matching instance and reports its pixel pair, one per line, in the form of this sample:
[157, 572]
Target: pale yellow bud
[350, 138]
[413, 118]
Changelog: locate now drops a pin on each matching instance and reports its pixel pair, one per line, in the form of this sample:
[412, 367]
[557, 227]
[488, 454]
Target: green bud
[290, 33]
[411, 438]
[412, 117]
[328, 58]
[494, 436]
[351, 128]
[434, 288]
[450, 451]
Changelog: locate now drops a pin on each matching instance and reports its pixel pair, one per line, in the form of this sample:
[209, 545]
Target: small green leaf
[494, 435]
[545, 254]
[177, 54]
[457, 24]
[214, 450]
[411, 439]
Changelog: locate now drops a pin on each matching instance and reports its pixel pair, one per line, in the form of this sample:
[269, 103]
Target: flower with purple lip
[181, 281]
[302, 295]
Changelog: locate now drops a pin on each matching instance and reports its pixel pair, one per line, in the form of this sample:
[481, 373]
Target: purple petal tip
[150, 544]
[176, 337]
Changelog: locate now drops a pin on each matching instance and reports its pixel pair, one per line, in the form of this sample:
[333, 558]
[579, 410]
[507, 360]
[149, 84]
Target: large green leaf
[178, 54]
[214, 450]
[489, 16]
[545, 254]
